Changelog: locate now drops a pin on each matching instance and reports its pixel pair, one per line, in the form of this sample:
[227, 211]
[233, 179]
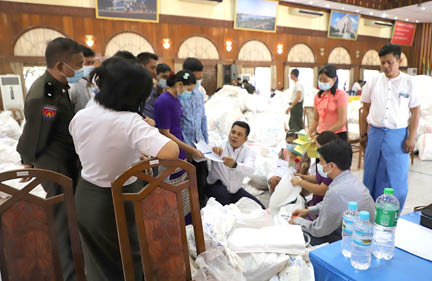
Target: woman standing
[109, 136]
[330, 105]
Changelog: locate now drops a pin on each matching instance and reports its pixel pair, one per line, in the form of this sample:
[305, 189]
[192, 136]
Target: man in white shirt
[391, 108]
[296, 103]
[225, 179]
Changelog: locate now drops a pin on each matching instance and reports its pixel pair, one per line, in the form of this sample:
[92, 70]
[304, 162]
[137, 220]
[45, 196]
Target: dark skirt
[96, 221]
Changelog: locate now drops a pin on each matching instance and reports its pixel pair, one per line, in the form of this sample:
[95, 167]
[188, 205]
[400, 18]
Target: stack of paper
[207, 151]
[305, 144]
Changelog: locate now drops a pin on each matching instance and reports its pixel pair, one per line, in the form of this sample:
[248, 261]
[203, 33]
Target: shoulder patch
[49, 111]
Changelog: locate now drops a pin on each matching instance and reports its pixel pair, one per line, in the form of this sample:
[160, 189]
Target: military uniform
[47, 144]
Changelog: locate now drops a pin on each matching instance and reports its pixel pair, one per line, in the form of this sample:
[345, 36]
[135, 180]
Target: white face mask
[324, 86]
[321, 171]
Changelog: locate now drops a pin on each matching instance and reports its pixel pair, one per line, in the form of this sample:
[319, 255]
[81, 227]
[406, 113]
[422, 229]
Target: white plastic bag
[263, 266]
[214, 266]
[284, 193]
[9, 127]
[424, 145]
[295, 270]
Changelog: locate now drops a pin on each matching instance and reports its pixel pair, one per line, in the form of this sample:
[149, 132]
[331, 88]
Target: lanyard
[226, 146]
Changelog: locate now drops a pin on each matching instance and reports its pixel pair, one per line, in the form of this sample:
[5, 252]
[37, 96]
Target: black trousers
[296, 117]
[66, 163]
[96, 221]
[220, 192]
[201, 174]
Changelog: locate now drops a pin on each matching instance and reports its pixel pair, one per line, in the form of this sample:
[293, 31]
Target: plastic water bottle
[386, 215]
[348, 220]
[362, 242]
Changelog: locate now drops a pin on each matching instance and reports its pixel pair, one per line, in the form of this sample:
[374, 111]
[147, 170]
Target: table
[330, 264]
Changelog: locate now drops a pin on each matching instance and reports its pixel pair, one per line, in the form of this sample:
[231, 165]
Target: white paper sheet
[207, 151]
[414, 238]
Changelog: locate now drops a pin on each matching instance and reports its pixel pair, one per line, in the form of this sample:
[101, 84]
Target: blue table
[330, 264]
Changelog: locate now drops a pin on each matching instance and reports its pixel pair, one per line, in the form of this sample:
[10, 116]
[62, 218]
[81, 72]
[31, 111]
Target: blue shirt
[194, 120]
[147, 107]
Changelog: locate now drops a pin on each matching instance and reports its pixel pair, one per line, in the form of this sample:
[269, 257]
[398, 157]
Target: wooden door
[209, 81]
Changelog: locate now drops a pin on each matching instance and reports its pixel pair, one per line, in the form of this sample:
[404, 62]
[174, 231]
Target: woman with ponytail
[330, 105]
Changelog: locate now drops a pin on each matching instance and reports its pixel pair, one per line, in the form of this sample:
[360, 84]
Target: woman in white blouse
[109, 136]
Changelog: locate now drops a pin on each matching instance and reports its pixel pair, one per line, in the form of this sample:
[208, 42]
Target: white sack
[9, 127]
[284, 193]
[296, 270]
[424, 145]
[8, 153]
[214, 266]
[263, 266]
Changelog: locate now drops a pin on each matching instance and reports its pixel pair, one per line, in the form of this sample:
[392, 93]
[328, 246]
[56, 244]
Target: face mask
[87, 69]
[198, 84]
[94, 90]
[162, 83]
[321, 171]
[324, 86]
[185, 95]
[78, 74]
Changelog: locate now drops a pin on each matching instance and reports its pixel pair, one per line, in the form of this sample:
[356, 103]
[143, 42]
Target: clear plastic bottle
[362, 242]
[386, 215]
[348, 220]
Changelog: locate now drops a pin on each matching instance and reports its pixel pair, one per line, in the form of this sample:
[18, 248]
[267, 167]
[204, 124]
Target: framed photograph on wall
[136, 10]
[343, 25]
[257, 15]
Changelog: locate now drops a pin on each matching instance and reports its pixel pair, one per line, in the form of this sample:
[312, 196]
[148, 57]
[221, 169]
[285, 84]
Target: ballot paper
[207, 151]
[414, 238]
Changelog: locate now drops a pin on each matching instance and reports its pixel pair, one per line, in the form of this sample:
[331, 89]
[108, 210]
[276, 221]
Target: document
[207, 151]
[414, 238]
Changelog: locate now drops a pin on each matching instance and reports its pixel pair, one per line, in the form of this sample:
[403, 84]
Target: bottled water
[386, 215]
[348, 220]
[362, 242]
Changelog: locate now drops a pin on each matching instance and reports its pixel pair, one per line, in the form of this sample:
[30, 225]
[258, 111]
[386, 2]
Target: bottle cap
[388, 190]
[364, 215]
[352, 206]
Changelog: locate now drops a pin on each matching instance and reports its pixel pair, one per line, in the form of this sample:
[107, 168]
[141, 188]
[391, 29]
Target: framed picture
[136, 10]
[258, 15]
[343, 25]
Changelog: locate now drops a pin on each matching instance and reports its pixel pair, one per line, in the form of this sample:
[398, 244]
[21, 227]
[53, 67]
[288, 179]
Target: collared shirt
[194, 120]
[298, 87]
[147, 107]
[344, 188]
[80, 94]
[108, 142]
[390, 100]
[48, 111]
[232, 178]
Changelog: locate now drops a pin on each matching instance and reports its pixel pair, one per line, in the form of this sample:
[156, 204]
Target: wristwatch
[300, 181]
[363, 135]
[235, 165]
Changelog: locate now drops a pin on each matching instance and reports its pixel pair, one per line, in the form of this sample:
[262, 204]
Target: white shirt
[298, 87]
[232, 178]
[391, 100]
[356, 87]
[80, 94]
[108, 142]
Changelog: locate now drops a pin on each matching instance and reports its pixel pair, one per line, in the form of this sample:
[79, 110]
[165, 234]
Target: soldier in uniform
[46, 142]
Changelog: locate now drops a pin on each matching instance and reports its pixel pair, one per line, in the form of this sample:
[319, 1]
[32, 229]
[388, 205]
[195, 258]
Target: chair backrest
[308, 116]
[159, 217]
[28, 241]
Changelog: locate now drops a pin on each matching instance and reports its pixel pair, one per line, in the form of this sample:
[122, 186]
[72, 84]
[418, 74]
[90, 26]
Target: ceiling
[416, 13]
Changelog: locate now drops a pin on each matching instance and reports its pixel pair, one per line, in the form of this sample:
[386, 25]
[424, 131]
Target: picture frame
[343, 25]
[132, 10]
[256, 15]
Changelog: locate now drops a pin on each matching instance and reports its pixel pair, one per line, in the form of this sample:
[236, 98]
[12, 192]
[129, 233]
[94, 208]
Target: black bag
[425, 216]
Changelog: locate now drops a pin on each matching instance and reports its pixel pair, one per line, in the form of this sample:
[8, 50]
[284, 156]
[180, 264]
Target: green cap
[388, 190]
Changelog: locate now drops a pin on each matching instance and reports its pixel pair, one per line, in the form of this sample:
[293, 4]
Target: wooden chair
[160, 221]
[28, 237]
[355, 143]
[308, 116]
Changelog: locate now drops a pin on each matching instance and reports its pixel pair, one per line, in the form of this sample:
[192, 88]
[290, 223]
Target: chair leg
[360, 157]
[412, 158]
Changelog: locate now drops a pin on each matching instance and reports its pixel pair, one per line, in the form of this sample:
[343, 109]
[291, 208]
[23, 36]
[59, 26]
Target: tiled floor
[420, 184]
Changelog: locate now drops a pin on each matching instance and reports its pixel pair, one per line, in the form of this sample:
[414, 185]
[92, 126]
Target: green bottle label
[386, 218]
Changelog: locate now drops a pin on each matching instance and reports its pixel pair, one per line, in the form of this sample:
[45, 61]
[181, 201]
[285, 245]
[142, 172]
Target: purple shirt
[319, 179]
[167, 113]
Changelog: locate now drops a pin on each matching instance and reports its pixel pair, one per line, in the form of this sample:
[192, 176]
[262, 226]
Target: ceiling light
[371, 13]
[423, 8]
[417, 21]
[343, 8]
[395, 18]
[406, 19]
[327, 5]
[384, 15]
[357, 11]
[310, 2]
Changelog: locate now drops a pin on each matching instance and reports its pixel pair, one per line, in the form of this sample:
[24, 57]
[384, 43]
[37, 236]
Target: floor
[419, 179]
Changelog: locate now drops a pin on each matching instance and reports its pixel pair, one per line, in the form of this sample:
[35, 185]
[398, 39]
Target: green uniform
[47, 144]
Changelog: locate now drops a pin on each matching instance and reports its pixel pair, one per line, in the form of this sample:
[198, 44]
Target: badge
[49, 111]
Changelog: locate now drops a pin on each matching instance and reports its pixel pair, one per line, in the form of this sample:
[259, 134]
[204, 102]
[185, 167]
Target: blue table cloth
[330, 264]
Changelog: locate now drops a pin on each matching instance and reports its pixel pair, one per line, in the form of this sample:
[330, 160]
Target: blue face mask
[321, 171]
[78, 74]
[324, 86]
[162, 83]
[185, 95]
[198, 84]
[87, 69]
[94, 90]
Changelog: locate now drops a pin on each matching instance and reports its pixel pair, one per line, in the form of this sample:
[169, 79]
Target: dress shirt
[232, 178]
[108, 142]
[390, 100]
[344, 188]
[194, 120]
[298, 87]
[79, 94]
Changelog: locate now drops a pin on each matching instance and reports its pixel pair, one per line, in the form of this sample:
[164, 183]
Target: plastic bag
[295, 270]
[424, 145]
[214, 266]
[263, 266]
[284, 193]
[9, 127]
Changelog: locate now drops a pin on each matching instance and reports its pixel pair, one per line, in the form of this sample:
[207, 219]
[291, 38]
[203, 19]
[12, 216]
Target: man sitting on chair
[225, 179]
